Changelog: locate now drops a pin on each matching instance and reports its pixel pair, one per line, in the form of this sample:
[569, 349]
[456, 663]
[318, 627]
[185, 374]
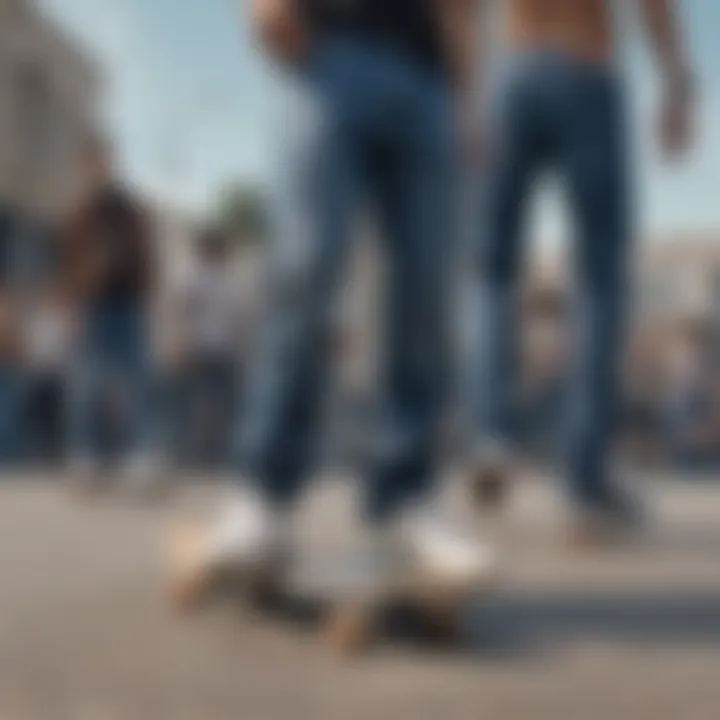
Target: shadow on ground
[515, 625]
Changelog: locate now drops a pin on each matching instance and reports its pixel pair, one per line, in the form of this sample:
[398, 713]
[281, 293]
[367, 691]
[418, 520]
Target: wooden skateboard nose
[188, 582]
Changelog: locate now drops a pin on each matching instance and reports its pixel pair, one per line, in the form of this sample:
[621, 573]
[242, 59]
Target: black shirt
[411, 27]
[116, 226]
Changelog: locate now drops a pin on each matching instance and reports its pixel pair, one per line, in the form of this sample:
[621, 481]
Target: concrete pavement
[85, 635]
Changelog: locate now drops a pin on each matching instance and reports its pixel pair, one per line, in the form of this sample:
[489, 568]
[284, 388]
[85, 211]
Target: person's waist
[558, 62]
[588, 41]
[371, 46]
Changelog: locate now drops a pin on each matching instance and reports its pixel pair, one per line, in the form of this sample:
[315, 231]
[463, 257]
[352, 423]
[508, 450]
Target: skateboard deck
[335, 592]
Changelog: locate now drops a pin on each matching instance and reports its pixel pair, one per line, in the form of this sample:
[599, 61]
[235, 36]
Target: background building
[48, 100]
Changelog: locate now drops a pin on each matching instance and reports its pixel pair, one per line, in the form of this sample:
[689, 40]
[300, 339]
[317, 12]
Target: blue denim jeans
[12, 396]
[113, 373]
[209, 392]
[361, 128]
[555, 113]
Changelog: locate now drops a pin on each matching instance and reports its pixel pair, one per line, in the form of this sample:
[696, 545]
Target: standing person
[212, 322]
[561, 106]
[48, 347]
[11, 378]
[11, 385]
[367, 116]
[108, 259]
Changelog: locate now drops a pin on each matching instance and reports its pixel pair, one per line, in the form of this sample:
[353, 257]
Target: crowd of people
[185, 407]
[82, 381]
[670, 405]
[670, 409]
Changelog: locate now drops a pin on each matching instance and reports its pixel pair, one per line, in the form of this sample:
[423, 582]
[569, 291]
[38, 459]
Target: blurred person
[543, 372]
[11, 377]
[48, 347]
[689, 401]
[9, 223]
[10, 345]
[212, 324]
[110, 274]
[367, 115]
[561, 105]
[641, 427]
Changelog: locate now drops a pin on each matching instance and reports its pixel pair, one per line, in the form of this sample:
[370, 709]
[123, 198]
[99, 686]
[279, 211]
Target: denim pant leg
[11, 412]
[225, 390]
[514, 158]
[115, 349]
[415, 191]
[314, 196]
[595, 163]
[88, 378]
[133, 355]
[211, 392]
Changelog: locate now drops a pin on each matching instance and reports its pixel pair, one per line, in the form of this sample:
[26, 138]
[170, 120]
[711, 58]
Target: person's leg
[56, 428]
[315, 194]
[132, 346]
[43, 415]
[87, 379]
[413, 182]
[212, 396]
[195, 404]
[10, 410]
[514, 147]
[313, 204]
[595, 160]
[34, 418]
[225, 392]
[174, 438]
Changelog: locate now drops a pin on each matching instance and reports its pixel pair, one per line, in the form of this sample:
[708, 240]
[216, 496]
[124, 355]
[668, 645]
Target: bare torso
[581, 27]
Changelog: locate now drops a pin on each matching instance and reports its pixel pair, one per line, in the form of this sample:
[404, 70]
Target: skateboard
[350, 607]
[413, 608]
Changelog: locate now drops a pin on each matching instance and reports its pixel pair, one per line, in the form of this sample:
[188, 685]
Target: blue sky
[186, 96]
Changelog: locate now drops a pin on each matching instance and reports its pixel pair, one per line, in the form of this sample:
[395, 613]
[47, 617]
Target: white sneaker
[247, 530]
[444, 552]
[248, 539]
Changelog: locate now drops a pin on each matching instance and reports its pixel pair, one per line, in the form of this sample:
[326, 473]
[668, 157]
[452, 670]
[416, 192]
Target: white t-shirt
[212, 310]
[48, 338]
